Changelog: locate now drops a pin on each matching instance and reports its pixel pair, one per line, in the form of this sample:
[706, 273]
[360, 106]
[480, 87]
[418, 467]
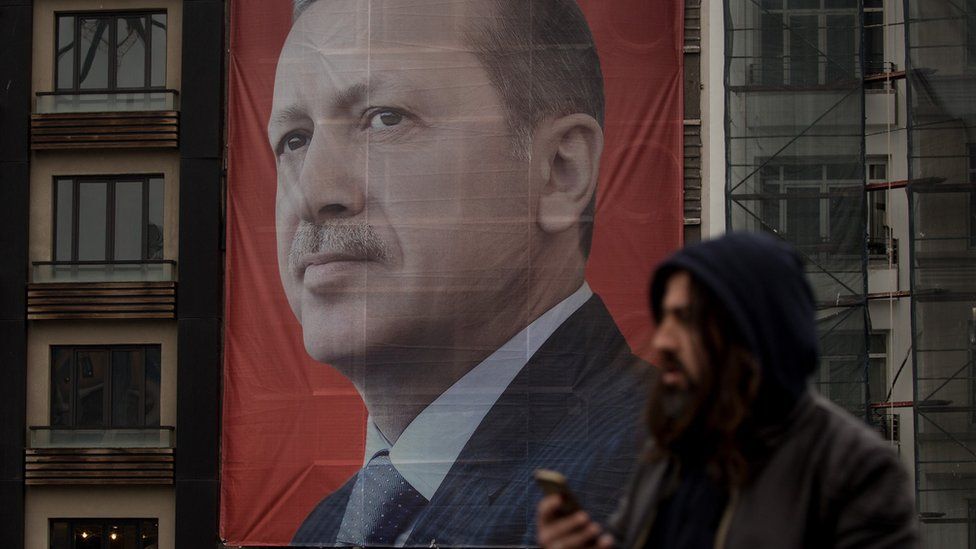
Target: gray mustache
[357, 240]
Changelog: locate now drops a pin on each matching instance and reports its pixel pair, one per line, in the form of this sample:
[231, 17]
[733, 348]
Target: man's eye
[384, 119]
[294, 142]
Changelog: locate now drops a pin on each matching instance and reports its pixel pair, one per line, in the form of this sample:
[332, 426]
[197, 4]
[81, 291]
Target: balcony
[105, 120]
[66, 290]
[91, 456]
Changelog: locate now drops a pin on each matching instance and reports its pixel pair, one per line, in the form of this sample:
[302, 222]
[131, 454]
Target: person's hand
[575, 531]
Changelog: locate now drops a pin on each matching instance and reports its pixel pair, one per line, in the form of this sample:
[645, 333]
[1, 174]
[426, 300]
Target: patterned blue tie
[382, 505]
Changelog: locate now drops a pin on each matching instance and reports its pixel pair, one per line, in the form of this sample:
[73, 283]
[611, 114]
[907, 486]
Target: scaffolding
[796, 161]
[941, 72]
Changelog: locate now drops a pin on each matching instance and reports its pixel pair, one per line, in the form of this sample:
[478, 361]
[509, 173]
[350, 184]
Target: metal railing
[94, 437]
[141, 270]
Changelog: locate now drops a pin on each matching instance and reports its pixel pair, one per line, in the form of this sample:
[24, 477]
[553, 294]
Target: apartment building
[112, 118]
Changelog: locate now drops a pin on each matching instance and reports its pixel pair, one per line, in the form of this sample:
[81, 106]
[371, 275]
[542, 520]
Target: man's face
[677, 341]
[402, 211]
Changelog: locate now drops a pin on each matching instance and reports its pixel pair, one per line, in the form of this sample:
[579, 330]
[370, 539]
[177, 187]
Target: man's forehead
[387, 26]
[677, 290]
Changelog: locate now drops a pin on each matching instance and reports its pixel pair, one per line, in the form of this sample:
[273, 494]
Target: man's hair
[541, 57]
[714, 429]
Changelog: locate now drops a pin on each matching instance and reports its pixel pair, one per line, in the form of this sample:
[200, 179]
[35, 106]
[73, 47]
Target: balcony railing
[146, 119]
[85, 437]
[100, 101]
[148, 270]
[60, 456]
[102, 290]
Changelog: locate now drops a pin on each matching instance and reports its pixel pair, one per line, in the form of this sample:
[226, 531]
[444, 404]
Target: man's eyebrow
[343, 100]
[353, 95]
[288, 114]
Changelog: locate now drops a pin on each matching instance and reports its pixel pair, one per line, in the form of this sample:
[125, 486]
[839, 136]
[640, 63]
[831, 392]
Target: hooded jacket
[760, 281]
[825, 480]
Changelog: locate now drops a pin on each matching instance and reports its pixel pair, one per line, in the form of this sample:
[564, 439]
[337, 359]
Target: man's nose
[332, 184]
[663, 341]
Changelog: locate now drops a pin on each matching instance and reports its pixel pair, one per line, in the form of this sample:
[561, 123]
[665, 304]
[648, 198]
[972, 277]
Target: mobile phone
[553, 482]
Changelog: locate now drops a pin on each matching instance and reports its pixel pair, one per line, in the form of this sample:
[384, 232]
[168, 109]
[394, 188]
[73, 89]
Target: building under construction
[849, 132]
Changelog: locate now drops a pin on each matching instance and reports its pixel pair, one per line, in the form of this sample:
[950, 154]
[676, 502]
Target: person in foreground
[741, 452]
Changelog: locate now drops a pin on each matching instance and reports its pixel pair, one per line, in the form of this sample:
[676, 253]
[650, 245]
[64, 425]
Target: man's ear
[567, 152]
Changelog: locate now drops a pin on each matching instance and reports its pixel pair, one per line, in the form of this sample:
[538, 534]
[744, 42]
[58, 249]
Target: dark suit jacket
[575, 407]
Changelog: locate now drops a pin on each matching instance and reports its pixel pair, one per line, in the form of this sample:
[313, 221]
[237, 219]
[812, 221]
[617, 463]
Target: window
[971, 179]
[808, 42]
[816, 206]
[874, 37]
[105, 387]
[971, 32]
[104, 533]
[881, 243]
[842, 375]
[110, 51]
[111, 218]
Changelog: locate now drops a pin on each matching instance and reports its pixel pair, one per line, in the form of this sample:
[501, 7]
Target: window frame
[106, 524]
[115, 15]
[785, 68]
[971, 180]
[820, 189]
[107, 399]
[111, 181]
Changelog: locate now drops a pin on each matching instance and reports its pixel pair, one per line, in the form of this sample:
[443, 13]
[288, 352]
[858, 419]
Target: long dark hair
[714, 428]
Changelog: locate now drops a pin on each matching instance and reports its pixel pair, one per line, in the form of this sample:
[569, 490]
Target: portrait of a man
[437, 165]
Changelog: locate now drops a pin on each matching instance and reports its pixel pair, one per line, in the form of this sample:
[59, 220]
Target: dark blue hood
[760, 280]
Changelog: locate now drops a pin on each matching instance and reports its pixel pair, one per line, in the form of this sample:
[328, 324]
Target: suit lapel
[321, 526]
[487, 497]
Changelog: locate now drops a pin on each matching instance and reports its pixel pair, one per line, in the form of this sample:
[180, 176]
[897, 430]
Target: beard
[676, 416]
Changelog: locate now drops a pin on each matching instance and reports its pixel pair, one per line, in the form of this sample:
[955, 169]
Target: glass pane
[842, 38]
[93, 70]
[64, 219]
[88, 536]
[153, 371]
[158, 53]
[803, 216]
[804, 63]
[803, 4]
[128, 382]
[65, 54]
[123, 536]
[772, 49]
[61, 387]
[60, 535]
[92, 220]
[154, 232]
[128, 220]
[878, 380]
[90, 373]
[149, 532]
[130, 53]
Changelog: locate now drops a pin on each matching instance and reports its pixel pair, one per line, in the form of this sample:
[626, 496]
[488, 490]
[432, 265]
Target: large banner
[442, 218]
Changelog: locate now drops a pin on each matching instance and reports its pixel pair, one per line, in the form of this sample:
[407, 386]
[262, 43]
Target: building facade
[112, 174]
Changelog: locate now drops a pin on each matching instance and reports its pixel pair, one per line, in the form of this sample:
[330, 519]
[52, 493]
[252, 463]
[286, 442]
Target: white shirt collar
[430, 445]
